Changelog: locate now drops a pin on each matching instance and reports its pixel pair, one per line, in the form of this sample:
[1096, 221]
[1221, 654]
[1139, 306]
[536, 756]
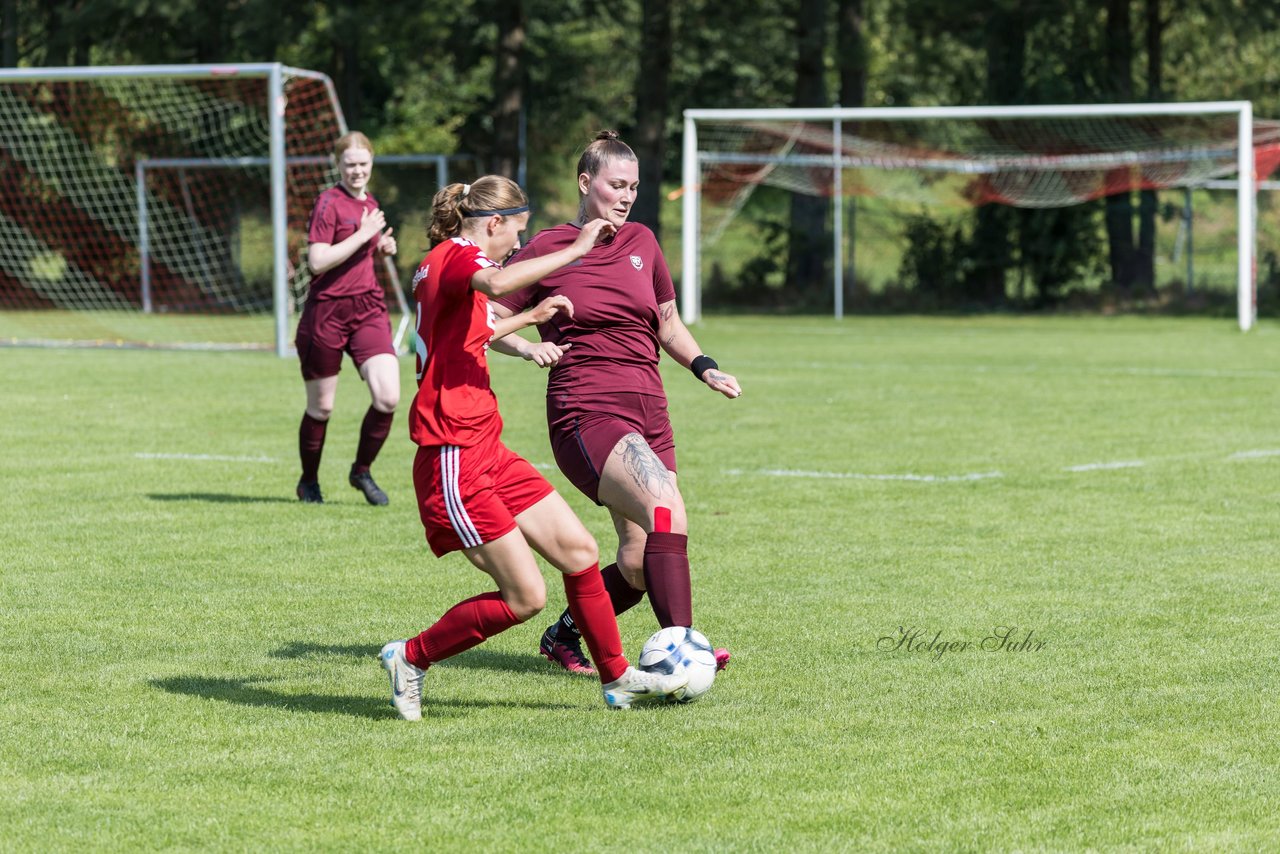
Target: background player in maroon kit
[346, 312]
[475, 494]
[606, 407]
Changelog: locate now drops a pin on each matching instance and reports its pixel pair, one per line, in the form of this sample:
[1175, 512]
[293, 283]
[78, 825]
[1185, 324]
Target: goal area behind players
[902, 161]
[165, 206]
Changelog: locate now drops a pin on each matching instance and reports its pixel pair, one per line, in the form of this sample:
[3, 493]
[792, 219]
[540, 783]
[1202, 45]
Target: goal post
[732, 151]
[166, 206]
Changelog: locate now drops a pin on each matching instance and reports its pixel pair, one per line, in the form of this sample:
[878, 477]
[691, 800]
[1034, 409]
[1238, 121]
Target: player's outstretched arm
[678, 342]
[544, 354]
[499, 281]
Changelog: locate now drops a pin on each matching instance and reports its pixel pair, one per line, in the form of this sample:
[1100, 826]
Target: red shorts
[470, 496]
[585, 430]
[357, 324]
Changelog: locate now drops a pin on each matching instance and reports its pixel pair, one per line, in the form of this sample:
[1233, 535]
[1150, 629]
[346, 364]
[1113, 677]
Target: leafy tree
[809, 239]
[652, 107]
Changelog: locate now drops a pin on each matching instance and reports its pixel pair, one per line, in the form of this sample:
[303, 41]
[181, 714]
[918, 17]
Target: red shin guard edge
[662, 520]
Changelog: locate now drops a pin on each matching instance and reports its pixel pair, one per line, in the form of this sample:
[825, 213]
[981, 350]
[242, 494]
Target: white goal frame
[274, 73]
[693, 158]
[143, 165]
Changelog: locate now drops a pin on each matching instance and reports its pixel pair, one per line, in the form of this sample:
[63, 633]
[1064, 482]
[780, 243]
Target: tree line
[522, 84]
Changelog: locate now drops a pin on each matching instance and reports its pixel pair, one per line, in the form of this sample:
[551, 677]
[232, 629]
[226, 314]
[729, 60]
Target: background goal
[931, 158]
[160, 206]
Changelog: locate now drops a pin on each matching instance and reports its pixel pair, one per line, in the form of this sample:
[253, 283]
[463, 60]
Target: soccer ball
[680, 650]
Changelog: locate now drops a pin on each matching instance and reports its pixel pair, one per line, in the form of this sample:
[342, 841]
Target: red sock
[622, 596]
[462, 627]
[593, 614]
[666, 574]
[373, 433]
[311, 445]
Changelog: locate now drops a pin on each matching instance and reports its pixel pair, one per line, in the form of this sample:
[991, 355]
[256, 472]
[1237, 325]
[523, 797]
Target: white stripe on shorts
[458, 517]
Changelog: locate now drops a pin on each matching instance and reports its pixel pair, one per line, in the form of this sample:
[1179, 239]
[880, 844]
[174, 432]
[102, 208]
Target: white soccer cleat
[638, 685]
[406, 681]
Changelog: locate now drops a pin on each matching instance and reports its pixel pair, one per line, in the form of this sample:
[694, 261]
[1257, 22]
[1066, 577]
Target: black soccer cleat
[568, 654]
[363, 481]
[309, 492]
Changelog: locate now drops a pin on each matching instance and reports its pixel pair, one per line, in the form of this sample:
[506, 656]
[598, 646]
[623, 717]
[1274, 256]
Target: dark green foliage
[420, 77]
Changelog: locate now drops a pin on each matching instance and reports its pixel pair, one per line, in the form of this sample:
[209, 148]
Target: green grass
[187, 654]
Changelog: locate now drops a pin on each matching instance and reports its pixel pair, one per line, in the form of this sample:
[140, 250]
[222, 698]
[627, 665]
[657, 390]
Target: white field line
[1254, 455]
[217, 458]
[1239, 456]
[1118, 464]
[833, 475]
[1035, 368]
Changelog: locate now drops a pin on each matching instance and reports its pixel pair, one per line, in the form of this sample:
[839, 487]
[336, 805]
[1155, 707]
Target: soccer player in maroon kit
[606, 406]
[475, 494]
[346, 312]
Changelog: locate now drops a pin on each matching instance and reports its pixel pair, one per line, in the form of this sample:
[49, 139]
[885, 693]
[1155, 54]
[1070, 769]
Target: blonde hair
[351, 139]
[605, 147]
[487, 196]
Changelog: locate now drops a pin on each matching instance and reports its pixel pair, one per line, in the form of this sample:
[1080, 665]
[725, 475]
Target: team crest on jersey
[637, 262]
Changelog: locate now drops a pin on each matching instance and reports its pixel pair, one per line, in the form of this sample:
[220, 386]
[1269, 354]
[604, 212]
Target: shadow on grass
[251, 692]
[302, 649]
[220, 498]
[475, 659]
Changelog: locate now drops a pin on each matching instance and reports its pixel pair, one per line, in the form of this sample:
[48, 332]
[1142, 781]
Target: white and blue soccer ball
[681, 650]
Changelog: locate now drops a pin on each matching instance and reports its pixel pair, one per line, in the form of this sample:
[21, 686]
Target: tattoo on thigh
[644, 466]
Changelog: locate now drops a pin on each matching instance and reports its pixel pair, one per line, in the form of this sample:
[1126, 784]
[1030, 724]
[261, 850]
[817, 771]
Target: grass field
[187, 654]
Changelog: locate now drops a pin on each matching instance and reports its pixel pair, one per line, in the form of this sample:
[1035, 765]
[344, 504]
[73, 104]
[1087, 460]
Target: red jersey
[616, 289]
[454, 404]
[335, 217]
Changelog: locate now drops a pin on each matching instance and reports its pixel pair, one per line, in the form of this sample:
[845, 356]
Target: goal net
[161, 206]
[937, 158]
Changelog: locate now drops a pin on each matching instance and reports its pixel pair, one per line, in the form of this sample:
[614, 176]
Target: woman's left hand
[724, 383]
[386, 243]
[545, 310]
[544, 354]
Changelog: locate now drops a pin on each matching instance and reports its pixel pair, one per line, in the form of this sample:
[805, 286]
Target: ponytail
[492, 194]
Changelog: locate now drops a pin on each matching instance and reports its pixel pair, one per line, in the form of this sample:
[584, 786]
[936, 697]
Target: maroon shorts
[357, 324]
[585, 430]
[470, 496]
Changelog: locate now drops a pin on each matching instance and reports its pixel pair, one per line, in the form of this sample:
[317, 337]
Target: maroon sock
[462, 627]
[593, 613]
[373, 433]
[622, 595]
[666, 574]
[311, 446]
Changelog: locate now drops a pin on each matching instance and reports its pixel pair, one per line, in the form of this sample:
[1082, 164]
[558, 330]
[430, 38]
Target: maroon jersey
[454, 404]
[616, 289]
[335, 217]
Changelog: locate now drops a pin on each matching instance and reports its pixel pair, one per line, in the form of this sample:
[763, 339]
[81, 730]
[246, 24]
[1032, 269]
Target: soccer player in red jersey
[346, 312]
[475, 494]
[606, 406]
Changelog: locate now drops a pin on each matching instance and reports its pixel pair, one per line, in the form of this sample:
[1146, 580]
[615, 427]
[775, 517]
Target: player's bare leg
[521, 594]
[558, 535]
[638, 486]
[649, 517]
